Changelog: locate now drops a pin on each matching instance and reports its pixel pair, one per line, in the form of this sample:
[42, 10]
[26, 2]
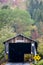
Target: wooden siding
[26, 40]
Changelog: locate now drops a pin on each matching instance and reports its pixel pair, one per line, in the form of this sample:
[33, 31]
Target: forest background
[21, 17]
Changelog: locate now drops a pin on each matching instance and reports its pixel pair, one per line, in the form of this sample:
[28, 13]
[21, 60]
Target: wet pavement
[17, 64]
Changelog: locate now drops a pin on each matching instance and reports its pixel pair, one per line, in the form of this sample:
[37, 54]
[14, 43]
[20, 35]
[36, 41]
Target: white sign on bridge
[19, 41]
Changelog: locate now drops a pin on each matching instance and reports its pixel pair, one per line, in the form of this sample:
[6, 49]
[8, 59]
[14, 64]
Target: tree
[16, 19]
[36, 10]
[40, 45]
[5, 33]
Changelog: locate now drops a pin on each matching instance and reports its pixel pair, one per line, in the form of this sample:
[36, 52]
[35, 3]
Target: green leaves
[5, 34]
[36, 9]
[15, 18]
[40, 62]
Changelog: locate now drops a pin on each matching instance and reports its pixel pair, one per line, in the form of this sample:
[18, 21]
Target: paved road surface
[17, 64]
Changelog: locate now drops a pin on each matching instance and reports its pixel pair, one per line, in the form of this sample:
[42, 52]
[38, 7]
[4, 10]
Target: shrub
[40, 62]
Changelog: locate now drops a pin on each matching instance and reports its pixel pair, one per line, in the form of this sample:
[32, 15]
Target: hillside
[21, 17]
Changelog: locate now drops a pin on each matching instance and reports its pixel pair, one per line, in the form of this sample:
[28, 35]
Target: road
[17, 64]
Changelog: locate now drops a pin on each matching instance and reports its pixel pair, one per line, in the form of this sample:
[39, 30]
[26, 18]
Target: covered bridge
[18, 46]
